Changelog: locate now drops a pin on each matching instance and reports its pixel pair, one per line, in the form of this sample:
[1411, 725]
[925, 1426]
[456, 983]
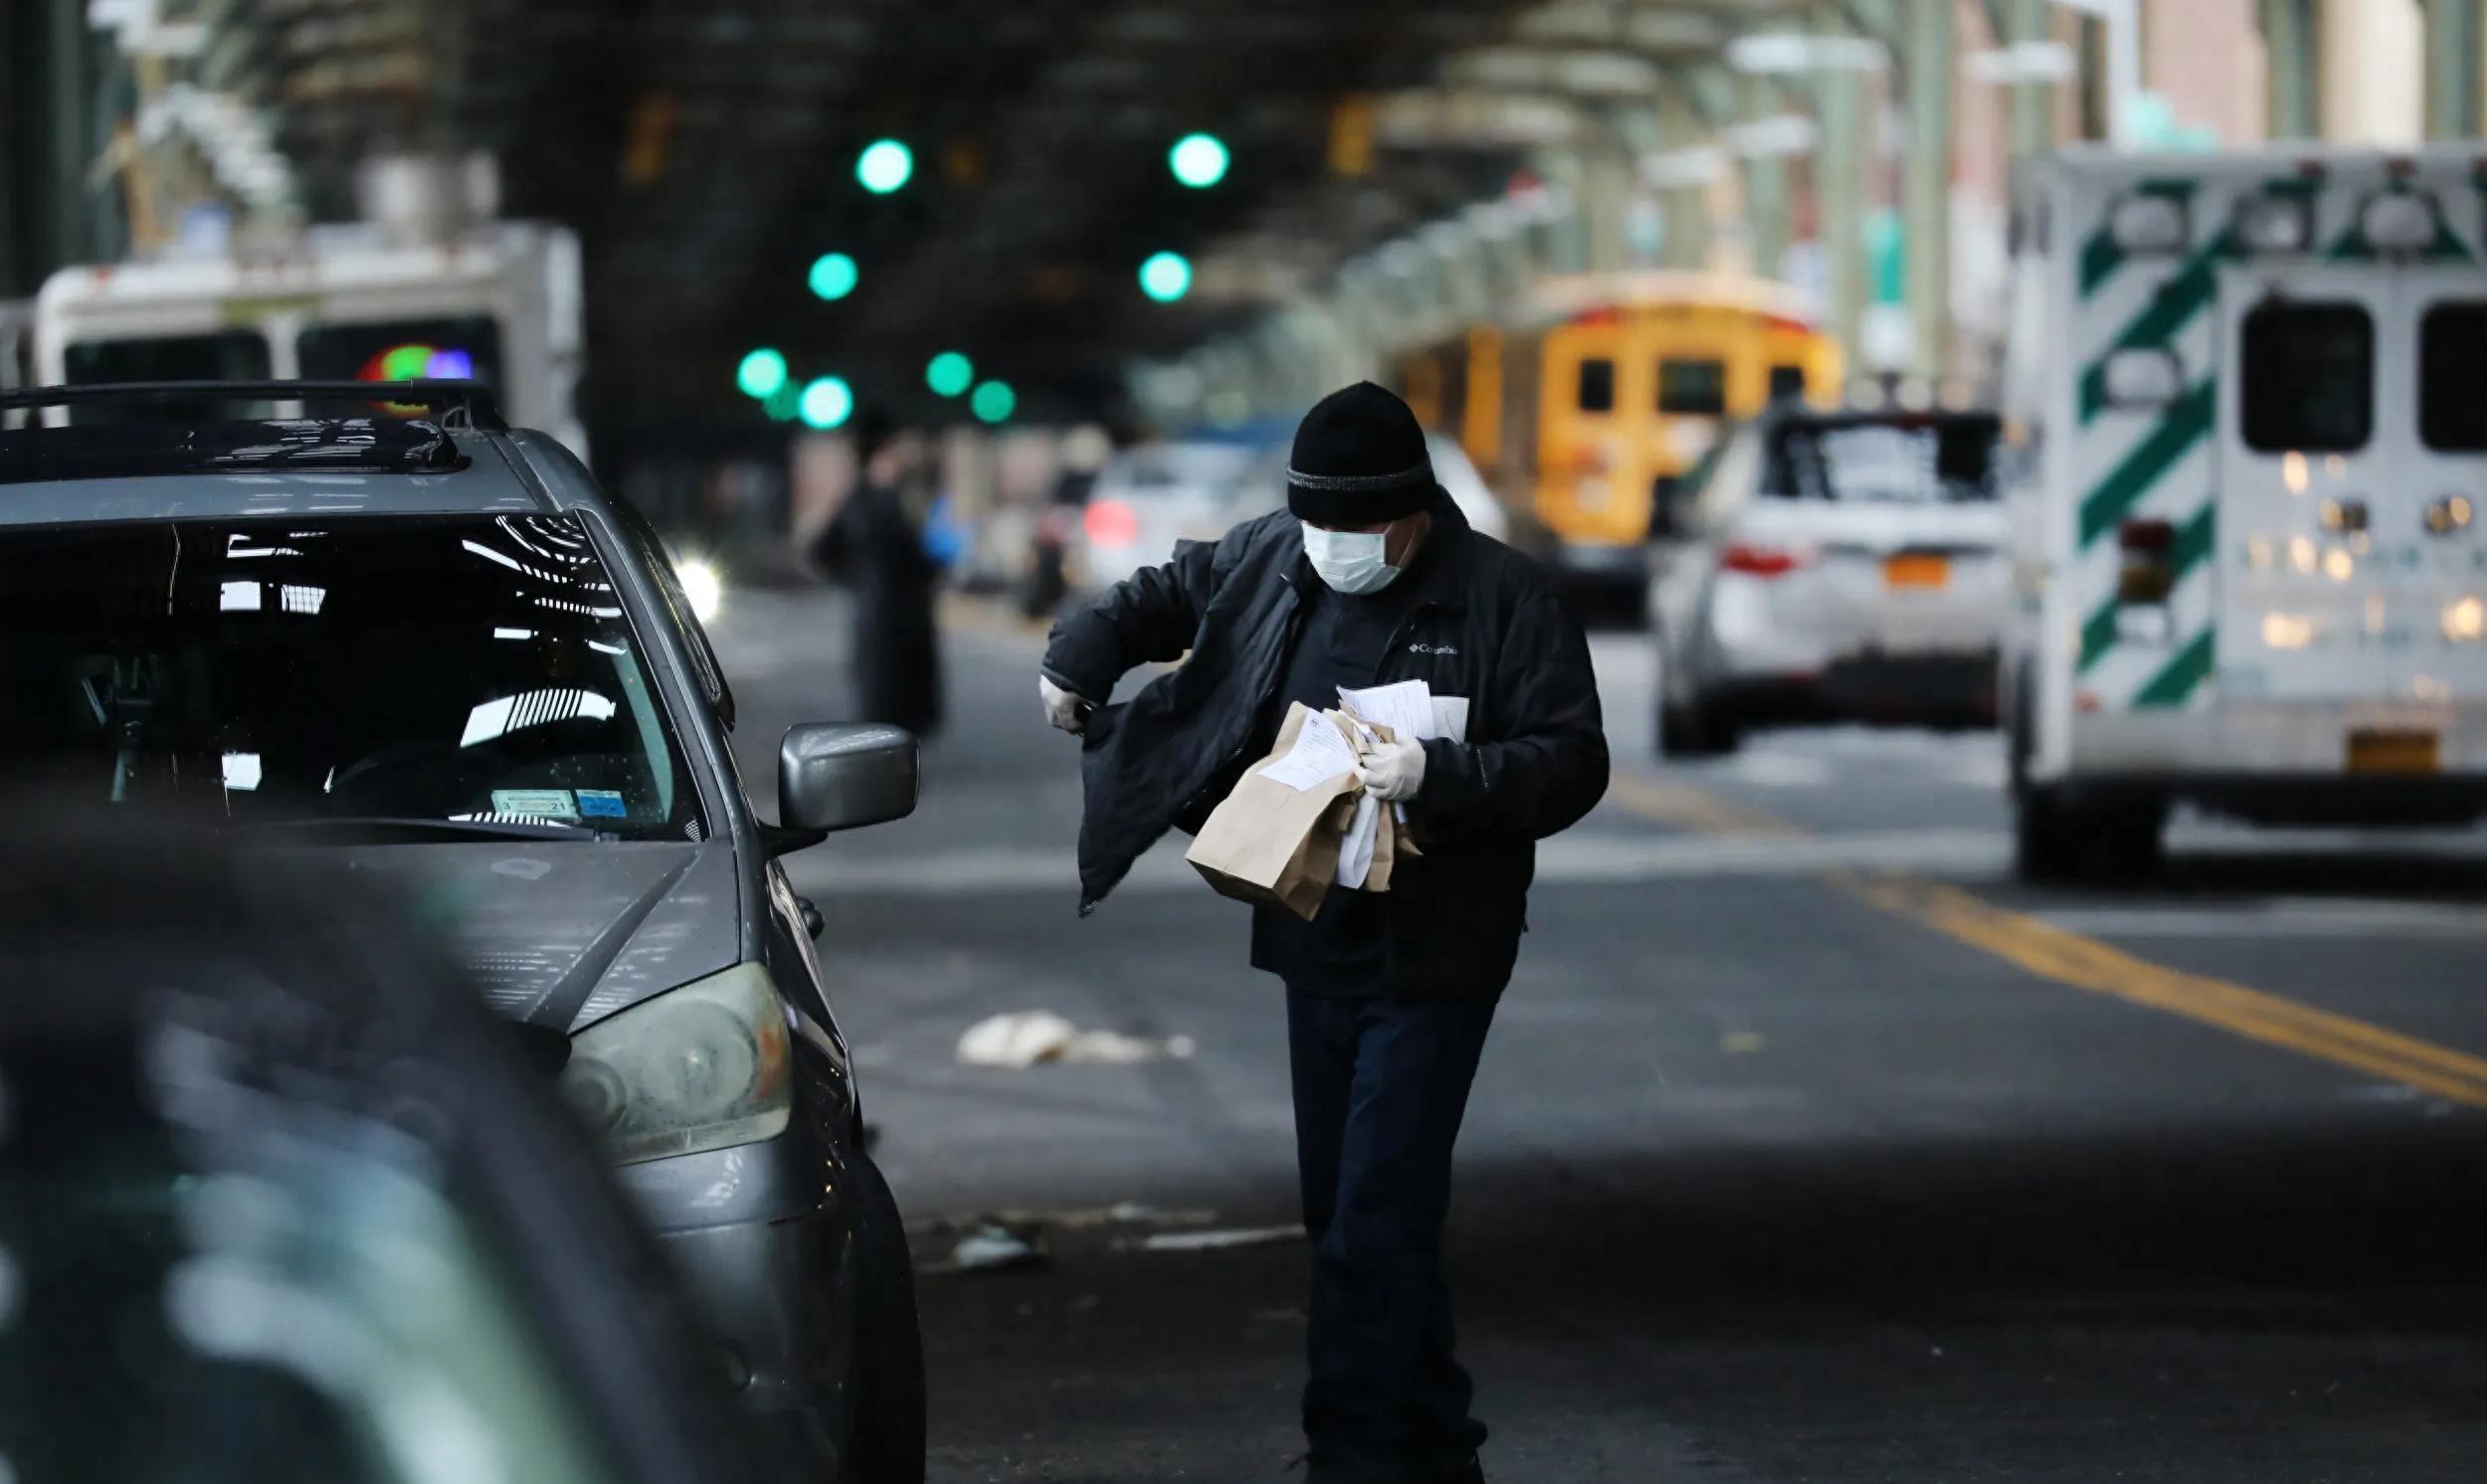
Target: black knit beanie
[1359, 460]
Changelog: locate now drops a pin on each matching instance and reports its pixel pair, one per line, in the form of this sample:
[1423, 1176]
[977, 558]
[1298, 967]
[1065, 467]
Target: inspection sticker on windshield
[535, 804]
[603, 804]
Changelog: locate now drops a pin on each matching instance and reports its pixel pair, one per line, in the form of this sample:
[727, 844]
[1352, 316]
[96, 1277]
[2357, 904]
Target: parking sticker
[534, 803]
[604, 804]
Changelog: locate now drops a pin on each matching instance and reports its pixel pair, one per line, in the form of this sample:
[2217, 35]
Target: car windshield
[1920, 460]
[458, 668]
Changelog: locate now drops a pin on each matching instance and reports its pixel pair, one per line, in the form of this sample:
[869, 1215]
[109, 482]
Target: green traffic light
[761, 373]
[834, 276]
[884, 166]
[993, 402]
[782, 404]
[1166, 276]
[1198, 160]
[826, 403]
[949, 373]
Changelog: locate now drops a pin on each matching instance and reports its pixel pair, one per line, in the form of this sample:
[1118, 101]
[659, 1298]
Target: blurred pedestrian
[1370, 576]
[1083, 454]
[874, 547]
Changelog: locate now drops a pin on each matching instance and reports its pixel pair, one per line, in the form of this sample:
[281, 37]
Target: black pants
[1380, 1087]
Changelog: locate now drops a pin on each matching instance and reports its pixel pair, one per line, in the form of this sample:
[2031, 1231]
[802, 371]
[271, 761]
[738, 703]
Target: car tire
[885, 1368]
[1690, 730]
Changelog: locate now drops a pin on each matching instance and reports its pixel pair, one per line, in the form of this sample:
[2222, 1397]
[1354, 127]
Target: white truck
[2246, 424]
[499, 303]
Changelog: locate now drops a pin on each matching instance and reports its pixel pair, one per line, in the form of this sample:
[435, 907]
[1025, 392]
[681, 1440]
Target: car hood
[565, 933]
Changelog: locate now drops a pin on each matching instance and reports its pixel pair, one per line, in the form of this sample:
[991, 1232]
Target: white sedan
[1831, 567]
[1145, 500]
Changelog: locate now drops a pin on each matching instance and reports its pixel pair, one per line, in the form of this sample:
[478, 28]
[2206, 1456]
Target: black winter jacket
[1485, 626]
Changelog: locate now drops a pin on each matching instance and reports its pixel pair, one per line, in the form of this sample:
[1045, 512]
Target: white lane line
[1590, 859]
[2280, 918]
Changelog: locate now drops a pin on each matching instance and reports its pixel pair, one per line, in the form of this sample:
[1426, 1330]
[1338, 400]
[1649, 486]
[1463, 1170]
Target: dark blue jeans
[1380, 1088]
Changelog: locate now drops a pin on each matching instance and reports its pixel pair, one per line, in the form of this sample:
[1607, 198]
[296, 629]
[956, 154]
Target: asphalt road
[1807, 1146]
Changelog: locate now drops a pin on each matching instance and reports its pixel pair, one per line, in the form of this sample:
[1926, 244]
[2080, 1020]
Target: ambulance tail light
[2148, 574]
[1760, 561]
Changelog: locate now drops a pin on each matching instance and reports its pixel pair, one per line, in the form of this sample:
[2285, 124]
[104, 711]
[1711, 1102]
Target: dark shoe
[1470, 1472]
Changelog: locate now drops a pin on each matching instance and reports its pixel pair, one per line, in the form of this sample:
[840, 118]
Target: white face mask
[1349, 560]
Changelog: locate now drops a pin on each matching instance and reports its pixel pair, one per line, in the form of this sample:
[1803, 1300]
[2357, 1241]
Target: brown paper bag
[1271, 843]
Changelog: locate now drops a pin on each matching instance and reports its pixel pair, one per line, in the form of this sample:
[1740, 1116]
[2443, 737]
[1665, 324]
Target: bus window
[465, 347]
[1787, 384]
[1598, 385]
[1693, 388]
[2309, 377]
[2452, 386]
[232, 355]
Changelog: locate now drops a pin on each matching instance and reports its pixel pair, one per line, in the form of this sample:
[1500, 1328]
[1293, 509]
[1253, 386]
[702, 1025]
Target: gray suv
[432, 652]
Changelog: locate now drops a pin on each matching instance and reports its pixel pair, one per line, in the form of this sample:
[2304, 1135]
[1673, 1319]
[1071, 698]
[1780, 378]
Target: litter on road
[1025, 1038]
[992, 1247]
[1212, 1241]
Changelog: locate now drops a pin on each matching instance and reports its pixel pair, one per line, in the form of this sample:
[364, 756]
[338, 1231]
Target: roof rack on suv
[469, 403]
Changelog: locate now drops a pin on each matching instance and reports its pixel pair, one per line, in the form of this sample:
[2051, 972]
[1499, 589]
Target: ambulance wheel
[2054, 840]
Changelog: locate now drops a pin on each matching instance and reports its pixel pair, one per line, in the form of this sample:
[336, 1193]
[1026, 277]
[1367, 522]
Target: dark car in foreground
[434, 656]
[279, 1203]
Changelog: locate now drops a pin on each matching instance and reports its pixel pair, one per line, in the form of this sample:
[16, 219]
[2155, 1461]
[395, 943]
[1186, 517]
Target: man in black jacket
[1369, 576]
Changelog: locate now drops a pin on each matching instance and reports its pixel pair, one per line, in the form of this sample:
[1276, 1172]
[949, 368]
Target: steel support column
[1842, 164]
[1927, 88]
[47, 94]
[1685, 202]
[2452, 68]
[2290, 35]
[2032, 104]
[1768, 217]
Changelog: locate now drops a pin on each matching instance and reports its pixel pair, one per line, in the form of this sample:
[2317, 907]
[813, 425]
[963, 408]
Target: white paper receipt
[1355, 852]
[1319, 755]
[1406, 707]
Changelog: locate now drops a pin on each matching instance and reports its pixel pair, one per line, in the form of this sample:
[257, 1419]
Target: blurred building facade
[1855, 149]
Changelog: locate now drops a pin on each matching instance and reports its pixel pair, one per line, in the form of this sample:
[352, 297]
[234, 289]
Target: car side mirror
[832, 777]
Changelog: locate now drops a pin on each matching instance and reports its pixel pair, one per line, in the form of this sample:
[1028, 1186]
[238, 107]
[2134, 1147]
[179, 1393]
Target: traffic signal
[834, 276]
[1198, 160]
[884, 166]
[826, 403]
[761, 374]
[949, 373]
[1166, 276]
[993, 402]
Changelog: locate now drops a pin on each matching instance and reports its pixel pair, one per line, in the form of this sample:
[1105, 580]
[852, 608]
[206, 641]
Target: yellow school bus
[1614, 387]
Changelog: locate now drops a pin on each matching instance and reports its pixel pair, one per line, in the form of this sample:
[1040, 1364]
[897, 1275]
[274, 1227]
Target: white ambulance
[499, 303]
[2246, 419]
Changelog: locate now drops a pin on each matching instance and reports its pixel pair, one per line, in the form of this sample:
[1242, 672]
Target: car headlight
[702, 585]
[703, 1066]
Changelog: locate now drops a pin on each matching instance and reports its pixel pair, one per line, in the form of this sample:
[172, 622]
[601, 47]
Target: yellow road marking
[2068, 958]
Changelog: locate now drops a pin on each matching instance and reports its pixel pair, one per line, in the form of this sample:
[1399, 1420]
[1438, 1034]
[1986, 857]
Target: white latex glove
[1395, 769]
[1062, 709]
